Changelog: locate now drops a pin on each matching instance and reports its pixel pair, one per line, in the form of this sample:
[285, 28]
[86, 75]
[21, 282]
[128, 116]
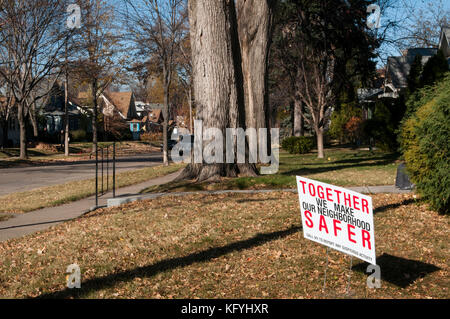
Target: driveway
[18, 179]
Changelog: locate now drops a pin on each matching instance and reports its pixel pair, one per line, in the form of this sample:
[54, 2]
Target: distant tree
[98, 46]
[323, 46]
[421, 25]
[30, 49]
[434, 70]
[157, 29]
[415, 74]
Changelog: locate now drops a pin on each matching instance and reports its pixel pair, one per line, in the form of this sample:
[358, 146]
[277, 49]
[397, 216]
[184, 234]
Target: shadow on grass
[394, 205]
[399, 271]
[110, 280]
[323, 169]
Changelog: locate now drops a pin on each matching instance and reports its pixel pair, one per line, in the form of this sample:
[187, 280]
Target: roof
[444, 42]
[367, 95]
[121, 100]
[398, 67]
[445, 32]
[157, 115]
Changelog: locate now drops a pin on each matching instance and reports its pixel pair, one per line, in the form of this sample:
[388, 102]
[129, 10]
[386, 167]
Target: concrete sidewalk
[24, 224]
[360, 189]
[31, 222]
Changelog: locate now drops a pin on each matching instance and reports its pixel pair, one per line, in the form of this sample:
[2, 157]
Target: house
[54, 112]
[10, 128]
[111, 104]
[444, 42]
[398, 68]
[152, 122]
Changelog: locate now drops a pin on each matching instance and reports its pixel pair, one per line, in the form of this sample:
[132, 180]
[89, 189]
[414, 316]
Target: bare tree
[422, 25]
[157, 28]
[97, 47]
[185, 75]
[29, 52]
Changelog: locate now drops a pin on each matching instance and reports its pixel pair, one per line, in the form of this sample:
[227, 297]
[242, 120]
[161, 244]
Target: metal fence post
[96, 175]
[102, 171]
[114, 170]
[107, 168]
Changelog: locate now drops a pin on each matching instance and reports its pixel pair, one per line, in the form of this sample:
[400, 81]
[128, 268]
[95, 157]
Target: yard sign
[338, 218]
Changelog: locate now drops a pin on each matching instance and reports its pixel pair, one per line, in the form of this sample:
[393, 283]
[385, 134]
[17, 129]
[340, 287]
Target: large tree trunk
[23, 131]
[298, 118]
[66, 109]
[94, 117]
[319, 138]
[217, 79]
[33, 120]
[254, 26]
[4, 134]
[166, 123]
[66, 117]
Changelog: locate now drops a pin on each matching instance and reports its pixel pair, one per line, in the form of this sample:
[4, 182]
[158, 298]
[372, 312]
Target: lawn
[342, 167]
[71, 191]
[225, 246]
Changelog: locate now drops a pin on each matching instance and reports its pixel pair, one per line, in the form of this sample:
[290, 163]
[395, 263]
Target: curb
[113, 202]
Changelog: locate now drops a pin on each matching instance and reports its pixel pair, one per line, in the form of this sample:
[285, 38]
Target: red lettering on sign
[329, 194]
[323, 224]
[313, 191]
[336, 228]
[366, 238]
[303, 184]
[355, 202]
[350, 233]
[320, 192]
[347, 201]
[338, 193]
[365, 205]
[308, 220]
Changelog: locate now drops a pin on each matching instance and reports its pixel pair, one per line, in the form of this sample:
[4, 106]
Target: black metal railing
[104, 161]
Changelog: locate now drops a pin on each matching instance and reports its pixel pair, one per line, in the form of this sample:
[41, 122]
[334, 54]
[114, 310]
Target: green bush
[424, 141]
[298, 144]
[79, 136]
[340, 118]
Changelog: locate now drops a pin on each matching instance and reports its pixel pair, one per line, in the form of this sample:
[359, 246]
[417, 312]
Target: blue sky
[401, 12]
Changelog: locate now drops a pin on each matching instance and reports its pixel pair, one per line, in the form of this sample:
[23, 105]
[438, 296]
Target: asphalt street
[18, 179]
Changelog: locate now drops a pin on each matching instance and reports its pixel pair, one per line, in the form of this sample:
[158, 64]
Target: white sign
[338, 218]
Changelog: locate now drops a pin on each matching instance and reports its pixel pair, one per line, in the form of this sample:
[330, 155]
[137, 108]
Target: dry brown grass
[225, 246]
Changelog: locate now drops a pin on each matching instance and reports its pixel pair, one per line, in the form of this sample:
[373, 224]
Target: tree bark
[23, 131]
[66, 107]
[166, 124]
[298, 118]
[254, 27]
[4, 134]
[217, 79]
[94, 117]
[66, 117]
[319, 138]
